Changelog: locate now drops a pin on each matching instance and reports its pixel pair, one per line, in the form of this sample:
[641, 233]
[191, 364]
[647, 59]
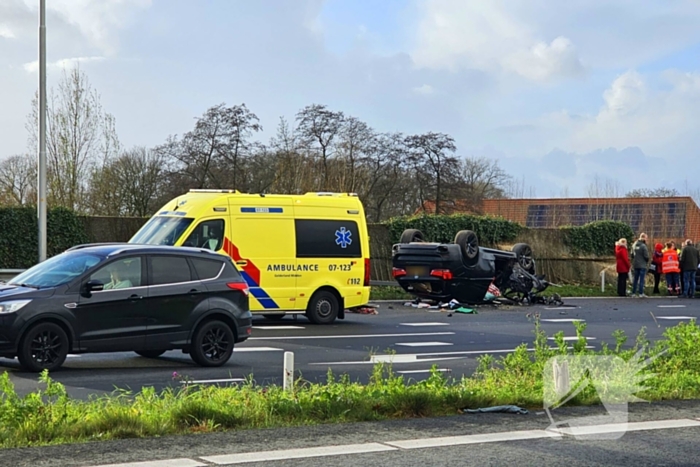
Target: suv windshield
[161, 230]
[58, 270]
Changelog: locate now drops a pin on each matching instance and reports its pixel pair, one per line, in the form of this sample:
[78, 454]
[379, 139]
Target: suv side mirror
[92, 286]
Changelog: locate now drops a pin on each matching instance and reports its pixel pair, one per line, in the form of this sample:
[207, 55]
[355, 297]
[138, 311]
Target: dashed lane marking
[423, 344]
[561, 320]
[573, 338]
[256, 349]
[353, 336]
[670, 306]
[278, 328]
[162, 463]
[302, 453]
[214, 381]
[676, 317]
[411, 372]
[424, 324]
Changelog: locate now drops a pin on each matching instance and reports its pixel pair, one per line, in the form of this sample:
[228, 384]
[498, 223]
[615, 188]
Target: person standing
[640, 263]
[689, 260]
[671, 269]
[656, 260]
[623, 266]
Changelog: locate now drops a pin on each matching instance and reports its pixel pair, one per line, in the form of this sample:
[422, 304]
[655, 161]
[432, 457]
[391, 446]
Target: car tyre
[469, 245]
[524, 254]
[43, 347]
[412, 236]
[212, 344]
[323, 308]
[150, 353]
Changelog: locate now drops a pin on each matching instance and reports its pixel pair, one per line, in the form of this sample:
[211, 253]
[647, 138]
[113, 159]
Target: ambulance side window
[208, 234]
[327, 239]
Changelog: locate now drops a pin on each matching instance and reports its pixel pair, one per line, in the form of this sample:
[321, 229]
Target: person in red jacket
[656, 261]
[623, 266]
[671, 269]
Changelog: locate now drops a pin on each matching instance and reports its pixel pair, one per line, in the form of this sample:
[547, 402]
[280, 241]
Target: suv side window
[120, 274]
[208, 234]
[207, 268]
[169, 270]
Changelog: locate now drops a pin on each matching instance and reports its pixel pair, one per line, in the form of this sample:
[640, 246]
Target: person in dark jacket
[656, 260]
[690, 258]
[623, 266]
[640, 263]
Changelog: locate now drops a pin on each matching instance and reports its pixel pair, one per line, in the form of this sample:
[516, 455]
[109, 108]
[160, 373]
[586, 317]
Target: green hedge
[597, 238]
[443, 228]
[19, 236]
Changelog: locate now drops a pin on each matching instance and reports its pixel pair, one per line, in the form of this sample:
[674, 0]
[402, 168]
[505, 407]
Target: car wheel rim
[215, 344]
[324, 308]
[46, 348]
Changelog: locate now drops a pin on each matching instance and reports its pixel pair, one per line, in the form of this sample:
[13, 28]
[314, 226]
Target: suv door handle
[136, 297]
[195, 291]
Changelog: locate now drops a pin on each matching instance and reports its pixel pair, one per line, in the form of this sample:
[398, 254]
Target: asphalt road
[421, 338]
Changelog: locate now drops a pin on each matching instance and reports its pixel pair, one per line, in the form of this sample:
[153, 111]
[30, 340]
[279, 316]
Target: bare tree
[130, 184]
[435, 166]
[356, 137]
[18, 179]
[481, 179]
[318, 128]
[653, 193]
[79, 133]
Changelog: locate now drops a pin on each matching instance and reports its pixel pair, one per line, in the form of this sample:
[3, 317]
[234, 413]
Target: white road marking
[211, 381]
[572, 338]
[424, 324]
[471, 439]
[162, 463]
[671, 306]
[423, 344]
[410, 372]
[71, 355]
[412, 358]
[280, 328]
[625, 427]
[354, 336]
[255, 349]
[302, 453]
[676, 317]
[561, 320]
[560, 307]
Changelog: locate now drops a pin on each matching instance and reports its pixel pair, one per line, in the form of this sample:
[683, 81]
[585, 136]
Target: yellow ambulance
[299, 253]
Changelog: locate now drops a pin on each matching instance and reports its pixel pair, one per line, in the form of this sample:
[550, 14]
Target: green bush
[443, 228]
[19, 239]
[597, 238]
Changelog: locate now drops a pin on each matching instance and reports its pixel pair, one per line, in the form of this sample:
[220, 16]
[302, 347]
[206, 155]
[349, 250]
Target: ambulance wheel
[323, 307]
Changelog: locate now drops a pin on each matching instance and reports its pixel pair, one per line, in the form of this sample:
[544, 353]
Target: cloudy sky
[558, 92]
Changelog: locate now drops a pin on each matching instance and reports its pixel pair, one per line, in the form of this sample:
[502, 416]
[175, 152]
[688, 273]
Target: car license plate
[416, 271]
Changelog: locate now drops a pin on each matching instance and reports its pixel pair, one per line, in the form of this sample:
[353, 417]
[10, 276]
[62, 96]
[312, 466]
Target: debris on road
[365, 310]
[498, 409]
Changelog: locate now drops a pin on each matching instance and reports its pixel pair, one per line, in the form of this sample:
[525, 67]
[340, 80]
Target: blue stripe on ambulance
[262, 210]
[260, 295]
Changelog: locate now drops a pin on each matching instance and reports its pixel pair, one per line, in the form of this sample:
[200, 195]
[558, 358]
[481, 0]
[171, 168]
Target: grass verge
[49, 416]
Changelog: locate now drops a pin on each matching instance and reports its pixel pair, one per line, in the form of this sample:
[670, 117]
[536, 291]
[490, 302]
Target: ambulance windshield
[162, 230]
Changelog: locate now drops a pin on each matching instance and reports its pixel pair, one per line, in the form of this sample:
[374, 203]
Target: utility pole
[41, 195]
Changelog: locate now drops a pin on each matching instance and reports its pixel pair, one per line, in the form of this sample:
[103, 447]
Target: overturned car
[465, 271]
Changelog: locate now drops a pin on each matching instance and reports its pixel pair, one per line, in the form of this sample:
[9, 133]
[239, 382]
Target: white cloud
[490, 37]
[33, 67]
[543, 61]
[96, 20]
[6, 32]
[634, 114]
[426, 89]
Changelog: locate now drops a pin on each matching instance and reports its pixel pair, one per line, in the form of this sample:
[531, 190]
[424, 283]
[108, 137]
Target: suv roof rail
[88, 245]
[203, 190]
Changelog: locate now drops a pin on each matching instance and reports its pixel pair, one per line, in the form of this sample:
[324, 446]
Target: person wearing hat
[623, 266]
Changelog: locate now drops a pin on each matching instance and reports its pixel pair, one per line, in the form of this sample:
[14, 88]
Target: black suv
[124, 297]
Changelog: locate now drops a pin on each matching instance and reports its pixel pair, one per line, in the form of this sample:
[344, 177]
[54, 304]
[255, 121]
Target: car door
[114, 319]
[174, 292]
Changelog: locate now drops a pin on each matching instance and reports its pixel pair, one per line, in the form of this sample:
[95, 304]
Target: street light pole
[41, 185]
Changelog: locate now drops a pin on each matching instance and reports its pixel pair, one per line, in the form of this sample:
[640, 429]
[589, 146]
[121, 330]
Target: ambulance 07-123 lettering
[299, 254]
